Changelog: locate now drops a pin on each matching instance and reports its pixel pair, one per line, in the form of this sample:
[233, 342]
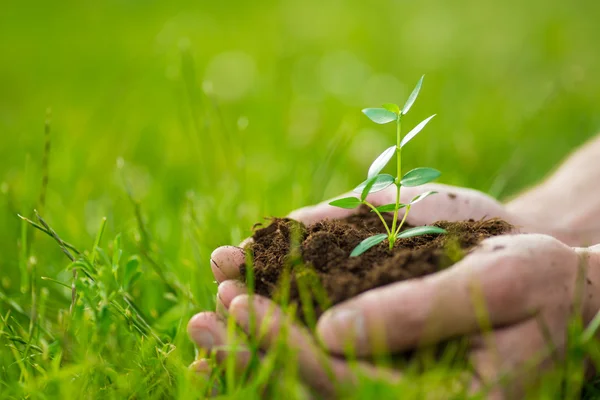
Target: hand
[526, 287]
[527, 284]
[450, 203]
[322, 372]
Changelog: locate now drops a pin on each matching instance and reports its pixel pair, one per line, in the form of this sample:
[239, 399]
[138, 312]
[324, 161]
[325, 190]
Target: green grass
[184, 123]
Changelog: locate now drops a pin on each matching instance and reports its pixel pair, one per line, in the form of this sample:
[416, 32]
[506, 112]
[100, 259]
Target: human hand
[528, 286]
[450, 203]
[268, 326]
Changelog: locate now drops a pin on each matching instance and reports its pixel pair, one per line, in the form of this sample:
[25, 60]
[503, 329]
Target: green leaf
[392, 107]
[131, 272]
[381, 161]
[415, 130]
[367, 244]
[380, 115]
[420, 230]
[368, 184]
[389, 207]
[374, 184]
[346, 202]
[420, 197]
[413, 96]
[419, 176]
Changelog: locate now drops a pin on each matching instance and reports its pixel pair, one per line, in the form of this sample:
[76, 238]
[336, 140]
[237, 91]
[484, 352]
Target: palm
[450, 204]
[527, 284]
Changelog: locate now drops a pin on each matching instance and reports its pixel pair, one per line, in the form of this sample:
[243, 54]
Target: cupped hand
[269, 327]
[450, 203]
[513, 297]
[524, 288]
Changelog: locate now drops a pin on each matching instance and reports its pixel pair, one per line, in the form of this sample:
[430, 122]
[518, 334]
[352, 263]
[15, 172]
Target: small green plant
[376, 182]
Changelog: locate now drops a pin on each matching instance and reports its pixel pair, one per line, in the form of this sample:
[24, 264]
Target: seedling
[376, 182]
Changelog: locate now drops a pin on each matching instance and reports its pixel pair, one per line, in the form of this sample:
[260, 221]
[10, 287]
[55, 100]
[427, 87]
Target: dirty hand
[524, 287]
[450, 203]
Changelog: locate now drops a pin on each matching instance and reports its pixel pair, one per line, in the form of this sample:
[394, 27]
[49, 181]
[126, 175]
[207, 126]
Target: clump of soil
[315, 259]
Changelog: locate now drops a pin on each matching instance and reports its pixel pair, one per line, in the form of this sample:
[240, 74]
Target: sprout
[376, 181]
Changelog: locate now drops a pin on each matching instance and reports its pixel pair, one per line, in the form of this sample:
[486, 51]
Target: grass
[184, 123]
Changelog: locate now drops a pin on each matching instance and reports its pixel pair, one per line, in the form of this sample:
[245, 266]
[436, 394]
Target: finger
[230, 289]
[452, 203]
[209, 332]
[510, 360]
[201, 367]
[246, 242]
[311, 214]
[226, 292]
[219, 276]
[507, 279]
[270, 325]
[203, 370]
[225, 262]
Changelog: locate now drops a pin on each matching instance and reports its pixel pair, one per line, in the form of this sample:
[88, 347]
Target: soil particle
[316, 257]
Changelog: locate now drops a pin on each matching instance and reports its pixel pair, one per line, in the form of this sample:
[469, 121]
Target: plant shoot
[376, 181]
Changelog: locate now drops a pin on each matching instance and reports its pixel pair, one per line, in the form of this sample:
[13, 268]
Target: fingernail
[203, 338]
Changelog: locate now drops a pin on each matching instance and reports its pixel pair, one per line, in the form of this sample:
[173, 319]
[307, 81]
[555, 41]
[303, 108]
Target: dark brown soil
[315, 259]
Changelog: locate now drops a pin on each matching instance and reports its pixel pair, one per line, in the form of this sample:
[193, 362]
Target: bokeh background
[204, 117]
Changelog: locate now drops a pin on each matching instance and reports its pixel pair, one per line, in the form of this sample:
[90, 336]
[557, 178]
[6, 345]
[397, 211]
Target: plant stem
[403, 219]
[392, 236]
[372, 207]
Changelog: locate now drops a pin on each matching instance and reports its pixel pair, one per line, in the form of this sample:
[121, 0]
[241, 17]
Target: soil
[315, 259]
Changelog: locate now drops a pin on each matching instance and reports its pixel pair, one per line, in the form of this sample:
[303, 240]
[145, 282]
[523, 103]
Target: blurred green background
[214, 115]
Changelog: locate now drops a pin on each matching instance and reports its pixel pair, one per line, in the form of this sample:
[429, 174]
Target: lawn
[184, 123]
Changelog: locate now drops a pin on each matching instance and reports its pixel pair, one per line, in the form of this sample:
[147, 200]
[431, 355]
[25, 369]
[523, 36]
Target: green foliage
[367, 244]
[413, 96]
[184, 143]
[392, 107]
[420, 230]
[381, 161]
[419, 176]
[374, 184]
[415, 131]
[380, 115]
[421, 196]
[346, 202]
[389, 207]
